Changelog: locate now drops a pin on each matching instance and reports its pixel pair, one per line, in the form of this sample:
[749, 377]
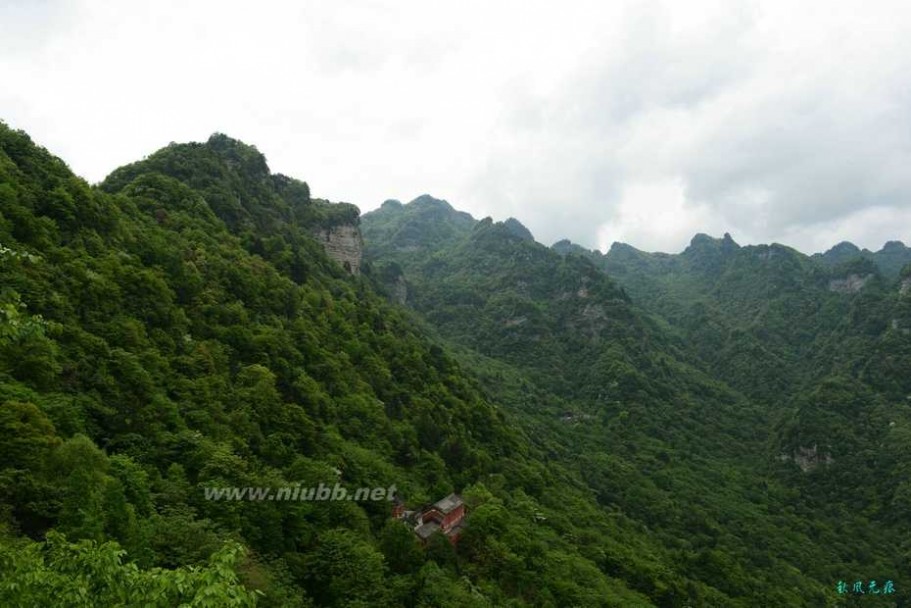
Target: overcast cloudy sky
[642, 122]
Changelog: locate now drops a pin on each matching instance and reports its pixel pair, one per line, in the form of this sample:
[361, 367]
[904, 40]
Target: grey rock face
[344, 245]
[850, 284]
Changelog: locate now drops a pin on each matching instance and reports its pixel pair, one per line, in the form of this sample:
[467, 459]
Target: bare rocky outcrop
[400, 290]
[850, 284]
[344, 244]
[905, 288]
[515, 321]
[808, 458]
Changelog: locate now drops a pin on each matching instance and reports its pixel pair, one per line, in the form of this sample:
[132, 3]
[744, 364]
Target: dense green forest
[756, 400]
[730, 426]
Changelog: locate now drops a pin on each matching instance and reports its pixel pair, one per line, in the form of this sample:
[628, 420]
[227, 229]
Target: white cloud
[656, 216]
[774, 120]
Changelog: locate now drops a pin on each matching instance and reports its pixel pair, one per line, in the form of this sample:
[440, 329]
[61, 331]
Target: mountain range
[727, 426]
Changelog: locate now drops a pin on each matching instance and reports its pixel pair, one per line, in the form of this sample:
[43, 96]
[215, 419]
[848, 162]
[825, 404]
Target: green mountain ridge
[890, 259]
[626, 430]
[765, 320]
[199, 351]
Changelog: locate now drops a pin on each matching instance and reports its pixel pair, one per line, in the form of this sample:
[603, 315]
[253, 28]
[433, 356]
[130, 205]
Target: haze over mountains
[726, 426]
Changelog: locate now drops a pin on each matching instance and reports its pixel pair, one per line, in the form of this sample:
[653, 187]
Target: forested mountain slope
[824, 342]
[639, 395]
[181, 327]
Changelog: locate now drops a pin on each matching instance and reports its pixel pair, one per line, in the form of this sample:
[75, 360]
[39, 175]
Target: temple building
[445, 516]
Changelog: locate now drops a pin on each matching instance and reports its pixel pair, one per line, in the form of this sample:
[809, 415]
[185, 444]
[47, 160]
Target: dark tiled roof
[427, 529]
[448, 504]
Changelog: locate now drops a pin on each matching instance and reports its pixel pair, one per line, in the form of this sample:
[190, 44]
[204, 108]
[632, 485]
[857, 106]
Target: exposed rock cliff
[343, 243]
[850, 284]
[808, 458]
[400, 290]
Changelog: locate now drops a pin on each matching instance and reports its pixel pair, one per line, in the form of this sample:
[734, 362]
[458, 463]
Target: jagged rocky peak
[704, 242]
[728, 243]
[701, 240]
[703, 245]
[510, 230]
[518, 229]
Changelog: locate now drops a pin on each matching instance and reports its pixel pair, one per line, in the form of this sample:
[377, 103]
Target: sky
[641, 122]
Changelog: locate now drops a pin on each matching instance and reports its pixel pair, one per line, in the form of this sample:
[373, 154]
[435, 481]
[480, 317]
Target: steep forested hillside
[180, 327]
[823, 342]
[640, 362]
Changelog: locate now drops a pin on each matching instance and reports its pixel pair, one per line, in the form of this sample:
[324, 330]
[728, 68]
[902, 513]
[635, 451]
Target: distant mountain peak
[617, 245]
[425, 200]
[518, 229]
[708, 253]
[566, 246]
[426, 223]
[704, 243]
[618, 248]
[841, 252]
[239, 155]
[701, 239]
[844, 247]
[889, 260]
[893, 247]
